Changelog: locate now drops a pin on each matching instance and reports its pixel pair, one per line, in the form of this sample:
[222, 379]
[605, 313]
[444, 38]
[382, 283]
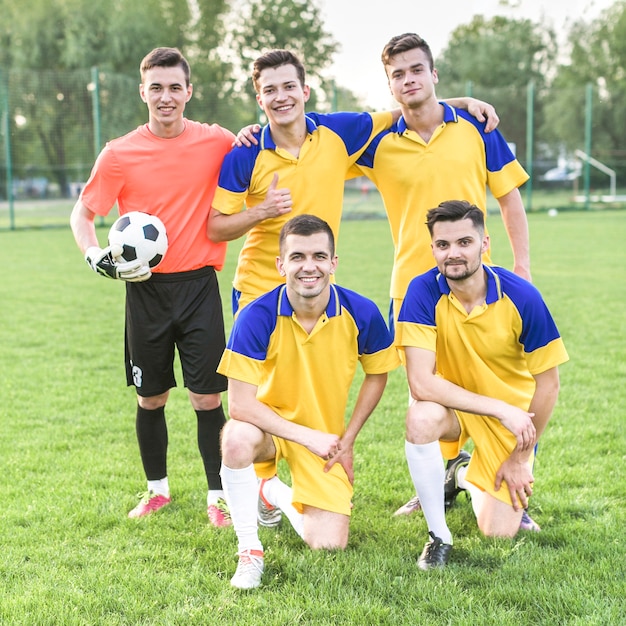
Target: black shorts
[169, 311]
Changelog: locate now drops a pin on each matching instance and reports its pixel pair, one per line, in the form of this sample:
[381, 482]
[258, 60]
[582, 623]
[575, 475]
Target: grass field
[71, 468]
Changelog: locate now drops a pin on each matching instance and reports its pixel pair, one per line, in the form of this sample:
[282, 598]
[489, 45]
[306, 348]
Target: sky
[362, 31]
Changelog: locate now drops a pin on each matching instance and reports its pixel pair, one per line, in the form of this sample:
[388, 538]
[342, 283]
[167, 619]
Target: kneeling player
[290, 361]
[482, 354]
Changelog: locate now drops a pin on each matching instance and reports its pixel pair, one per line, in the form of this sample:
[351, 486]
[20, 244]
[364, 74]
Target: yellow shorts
[493, 444]
[329, 491]
[396, 305]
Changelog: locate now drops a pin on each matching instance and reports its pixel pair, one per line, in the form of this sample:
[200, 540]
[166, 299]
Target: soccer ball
[141, 236]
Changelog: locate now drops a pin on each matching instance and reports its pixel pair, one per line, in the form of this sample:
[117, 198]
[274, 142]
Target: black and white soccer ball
[141, 236]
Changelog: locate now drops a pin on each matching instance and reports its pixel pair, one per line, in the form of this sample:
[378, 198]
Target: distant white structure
[612, 197]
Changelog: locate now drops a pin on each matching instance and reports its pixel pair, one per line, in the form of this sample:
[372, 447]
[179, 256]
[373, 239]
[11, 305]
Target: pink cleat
[150, 502]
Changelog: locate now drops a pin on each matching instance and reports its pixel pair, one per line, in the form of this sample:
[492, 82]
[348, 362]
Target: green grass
[358, 204]
[71, 469]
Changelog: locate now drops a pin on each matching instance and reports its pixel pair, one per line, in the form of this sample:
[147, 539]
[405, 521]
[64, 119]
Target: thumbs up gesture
[277, 201]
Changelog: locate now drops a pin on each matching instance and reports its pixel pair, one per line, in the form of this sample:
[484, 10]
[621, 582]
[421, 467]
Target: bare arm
[83, 227]
[516, 470]
[481, 110]
[516, 225]
[426, 386]
[223, 227]
[478, 108]
[369, 395]
[244, 406]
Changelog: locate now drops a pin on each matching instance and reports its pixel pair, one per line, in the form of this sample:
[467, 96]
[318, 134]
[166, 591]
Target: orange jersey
[174, 179]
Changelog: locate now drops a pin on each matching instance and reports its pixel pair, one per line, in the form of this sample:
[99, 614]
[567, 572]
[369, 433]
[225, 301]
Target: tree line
[49, 47]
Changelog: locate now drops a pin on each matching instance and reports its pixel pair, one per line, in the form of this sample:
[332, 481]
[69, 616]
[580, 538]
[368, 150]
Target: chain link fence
[53, 124]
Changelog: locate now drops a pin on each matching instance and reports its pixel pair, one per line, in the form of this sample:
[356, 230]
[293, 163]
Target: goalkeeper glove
[102, 262]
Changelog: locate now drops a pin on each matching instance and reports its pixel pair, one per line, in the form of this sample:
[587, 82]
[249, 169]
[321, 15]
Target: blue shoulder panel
[254, 326]
[497, 149]
[354, 129]
[421, 298]
[237, 167]
[538, 327]
[374, 335]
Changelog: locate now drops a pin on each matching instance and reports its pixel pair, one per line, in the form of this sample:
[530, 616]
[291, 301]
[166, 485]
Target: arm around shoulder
[482, 111]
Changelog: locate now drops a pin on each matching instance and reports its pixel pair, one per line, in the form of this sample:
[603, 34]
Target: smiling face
[165, 91]
[307, 263]
[281, 95]
[411, 79]
[458, 247]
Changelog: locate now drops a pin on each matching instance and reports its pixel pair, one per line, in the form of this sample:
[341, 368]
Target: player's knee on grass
[325, 530]
[494, 517]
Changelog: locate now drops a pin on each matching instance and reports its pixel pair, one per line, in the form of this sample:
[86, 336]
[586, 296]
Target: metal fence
[53, 124]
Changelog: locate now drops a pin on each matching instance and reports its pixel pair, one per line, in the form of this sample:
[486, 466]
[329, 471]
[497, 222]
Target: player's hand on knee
[324, 445]
[519, 480]
[519, 423]
[102, 261]
[346, 460]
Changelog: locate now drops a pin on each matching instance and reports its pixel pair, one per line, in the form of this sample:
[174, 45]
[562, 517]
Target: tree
[49, 48]
[499, 57]
[294, 24]
[597, 56]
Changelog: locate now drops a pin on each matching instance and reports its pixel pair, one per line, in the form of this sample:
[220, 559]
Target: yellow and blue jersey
[459, 162]
[315, 178]
[497, 348]
[306, 377]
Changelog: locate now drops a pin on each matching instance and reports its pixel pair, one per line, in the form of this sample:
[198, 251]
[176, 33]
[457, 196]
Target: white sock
[160, 487]
[213, 496]
[242, 489]
[280, 495]
[428, 473]
[460, 478]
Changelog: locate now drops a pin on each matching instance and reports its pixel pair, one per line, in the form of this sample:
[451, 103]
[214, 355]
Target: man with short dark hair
[290, 362]
[168, 167]
[482, 355]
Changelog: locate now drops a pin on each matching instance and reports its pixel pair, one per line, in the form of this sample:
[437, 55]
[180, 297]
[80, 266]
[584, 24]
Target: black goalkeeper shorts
[175, 311]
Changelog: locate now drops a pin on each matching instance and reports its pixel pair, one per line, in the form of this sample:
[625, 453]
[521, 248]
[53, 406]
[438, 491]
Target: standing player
[297, 164]
[482, 356]
[290, 362]
[432, 153]
[168, 167]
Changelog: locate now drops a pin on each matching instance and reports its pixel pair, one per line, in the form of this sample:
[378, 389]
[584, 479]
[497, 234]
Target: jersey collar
[449, 115]
[494, 287]
[266, 141]
[333, 308]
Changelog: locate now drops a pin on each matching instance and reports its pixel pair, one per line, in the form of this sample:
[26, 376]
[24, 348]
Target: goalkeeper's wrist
[93, 252]
[100, 261]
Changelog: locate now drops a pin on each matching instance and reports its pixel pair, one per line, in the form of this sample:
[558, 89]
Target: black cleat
[451, 488]
[436, 553]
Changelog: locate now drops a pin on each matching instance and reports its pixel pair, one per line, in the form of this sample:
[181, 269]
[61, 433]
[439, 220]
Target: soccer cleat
[268, 515]
[149, 503]
[219, 514]
[436, 553]
[451, 488]
[528, 523]
[412, 506]
[249, 570]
